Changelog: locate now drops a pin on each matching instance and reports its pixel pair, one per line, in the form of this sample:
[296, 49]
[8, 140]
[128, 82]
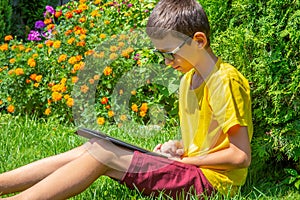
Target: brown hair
[184, 16]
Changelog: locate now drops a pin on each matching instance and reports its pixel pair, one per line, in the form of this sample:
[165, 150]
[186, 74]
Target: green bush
[5, 18]
[262, 38]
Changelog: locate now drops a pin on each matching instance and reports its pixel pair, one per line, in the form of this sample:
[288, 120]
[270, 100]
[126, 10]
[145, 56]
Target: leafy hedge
[260, 38]
[5, 16]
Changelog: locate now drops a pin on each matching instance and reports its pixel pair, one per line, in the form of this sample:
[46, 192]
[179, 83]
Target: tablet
[87, 133]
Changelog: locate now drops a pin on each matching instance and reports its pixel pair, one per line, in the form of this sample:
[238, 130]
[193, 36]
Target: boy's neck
[207, 63]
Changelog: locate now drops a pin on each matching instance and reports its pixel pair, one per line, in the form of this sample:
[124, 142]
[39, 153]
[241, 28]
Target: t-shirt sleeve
[230, 100]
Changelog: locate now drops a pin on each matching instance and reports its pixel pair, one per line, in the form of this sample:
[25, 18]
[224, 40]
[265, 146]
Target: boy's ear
[201, 39]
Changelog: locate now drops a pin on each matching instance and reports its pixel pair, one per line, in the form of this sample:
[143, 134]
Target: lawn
[24, 139]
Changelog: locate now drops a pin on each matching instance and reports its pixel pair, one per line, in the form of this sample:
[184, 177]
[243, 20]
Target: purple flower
[129, 5]
[50, 9]
[39, 24]
[34, 36]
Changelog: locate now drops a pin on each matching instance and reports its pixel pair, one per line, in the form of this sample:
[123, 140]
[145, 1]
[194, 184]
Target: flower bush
[38, 76]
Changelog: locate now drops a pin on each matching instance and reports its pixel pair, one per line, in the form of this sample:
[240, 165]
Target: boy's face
[182, 50]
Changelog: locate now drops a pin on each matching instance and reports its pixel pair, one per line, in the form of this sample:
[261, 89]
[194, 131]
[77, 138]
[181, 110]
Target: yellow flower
[106, 22]
[95, 13]
[102, 36]
[40, 45]
[56, 44]
[71, 40]
[113, 56]
[97, 2]
[134, 108]
[11, 109]
[111, 113]
[84, 88]
[12, 60]
[82, 37]
[35, 55]
[31, 62]
[62, 57]
[107, 71]
[142, 114]
[19, 71]
[113, 48]
[70, 102]
[36, 84]
[123, 117]
[28, 49]
[38, 78]
[9, 99]
[133, 92]
[1, 102]
[4, 47]
[82, 7]
[56, 96]
[47, 111]
[74, 79]
[72, 60]
[100, 120]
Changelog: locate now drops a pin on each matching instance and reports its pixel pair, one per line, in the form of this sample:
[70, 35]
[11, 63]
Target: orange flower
[32, 77]
[8, 99]
[74, 79]
[68, 32]
[82, 6]
[144, 107]
[82, 19]
[10, 72]
[72, 60]
[47, 111]
[19, 71]
[56, 44]
[69, 15]
[107, 71]
[106, 22]
[62, 57]
[28, 49]
[70, 102]
[47, 21]
[49, 43]
[36, 84]
[95, 13]
[110, 113]
[80, 44]
[91, 81]
[1, 102]
[58, 14]
[11, 109]
[100, 120]
[134, 108]
[84, 88]
[8, 38]
[35, 55]
[56, 96]
[40, 45]
[50, 26]
[104, 100]
[31, 62]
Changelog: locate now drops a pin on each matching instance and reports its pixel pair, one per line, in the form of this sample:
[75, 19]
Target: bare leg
[77, 175]
[26, 176]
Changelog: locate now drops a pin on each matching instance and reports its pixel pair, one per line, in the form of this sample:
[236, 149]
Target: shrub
[5, 17]
[261, 38]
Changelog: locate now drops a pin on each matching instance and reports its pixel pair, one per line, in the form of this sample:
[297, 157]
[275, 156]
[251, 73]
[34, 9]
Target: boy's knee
[101, 150]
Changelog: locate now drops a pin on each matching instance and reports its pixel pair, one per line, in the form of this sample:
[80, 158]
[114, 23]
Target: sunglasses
[170, 55]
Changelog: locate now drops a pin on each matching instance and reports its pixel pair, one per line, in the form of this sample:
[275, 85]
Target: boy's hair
[183, 16]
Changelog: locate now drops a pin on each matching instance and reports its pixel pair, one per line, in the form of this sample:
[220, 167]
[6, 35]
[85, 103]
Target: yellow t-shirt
[208, 112]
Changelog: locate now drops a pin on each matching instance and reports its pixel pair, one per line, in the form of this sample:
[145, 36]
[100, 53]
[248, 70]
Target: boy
[215, 117]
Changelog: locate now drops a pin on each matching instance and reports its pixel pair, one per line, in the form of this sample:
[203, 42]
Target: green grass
[24, 140]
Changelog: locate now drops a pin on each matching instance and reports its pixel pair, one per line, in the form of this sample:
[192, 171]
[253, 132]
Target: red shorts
[152, 174]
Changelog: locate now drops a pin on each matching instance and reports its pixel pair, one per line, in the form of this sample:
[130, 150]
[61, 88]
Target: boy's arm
[237, 155]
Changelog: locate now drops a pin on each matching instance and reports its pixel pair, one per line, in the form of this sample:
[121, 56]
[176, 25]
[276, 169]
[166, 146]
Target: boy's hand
[172, 148]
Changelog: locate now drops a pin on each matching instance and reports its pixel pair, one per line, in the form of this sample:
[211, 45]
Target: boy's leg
[24, 177]
[77, 175]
